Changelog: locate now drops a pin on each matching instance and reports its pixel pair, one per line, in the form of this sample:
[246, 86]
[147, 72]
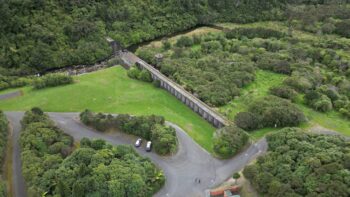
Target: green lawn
[111, 91]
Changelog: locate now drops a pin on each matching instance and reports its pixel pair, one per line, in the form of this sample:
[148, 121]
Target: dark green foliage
[275, 65]
[166, 44]
[134, 72]
[13, 82]
[52, 80]
[254, 33]
[247, 121]
[229, 140]
[43, 147]
[272, 111]
[246, 11]
[211, 47]
[343, 28]
[184, 41]
[39, 35]
[302, 164]
[4, 130]
[164, 139]
[325, 98]
[143, 75]
[62, 33]
[92, 170]
[96, 168]
[148, 127]
[3, 189]
[285, 92]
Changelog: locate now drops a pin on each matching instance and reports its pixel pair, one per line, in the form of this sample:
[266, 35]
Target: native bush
[283, 91]
[4, 131]
[272, 111]
[52, 80]
[247, 121]
[184, 41]
[250, 33]
[229, 140]
[297, 162]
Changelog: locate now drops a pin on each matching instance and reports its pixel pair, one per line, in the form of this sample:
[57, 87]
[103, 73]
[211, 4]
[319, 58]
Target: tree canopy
[52, 166]
[302, 164]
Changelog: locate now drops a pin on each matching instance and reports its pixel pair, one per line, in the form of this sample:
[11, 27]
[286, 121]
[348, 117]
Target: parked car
[149, 146]
[138, 142]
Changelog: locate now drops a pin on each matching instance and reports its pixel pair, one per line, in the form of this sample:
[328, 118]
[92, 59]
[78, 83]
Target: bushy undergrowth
[52, 80]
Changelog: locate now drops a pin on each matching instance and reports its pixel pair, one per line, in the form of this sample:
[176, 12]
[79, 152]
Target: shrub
[145, 76]
[134, 72]
[166, 44]
[257, 32]
[273, 111]
[324, 104]
[343, 28]
[52, 80]
[211, 46]
[300, 84]
[184, 41]
[285, 92]
[13, 82]
[229, 140]
[113, 62]
[164, 139]
[247, 121]
[3, 138]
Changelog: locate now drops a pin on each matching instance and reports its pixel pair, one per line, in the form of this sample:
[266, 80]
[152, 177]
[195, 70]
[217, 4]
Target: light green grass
[111, 91]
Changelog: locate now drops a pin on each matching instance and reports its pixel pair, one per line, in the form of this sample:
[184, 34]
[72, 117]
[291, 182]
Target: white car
[149, 146]
[138, 142]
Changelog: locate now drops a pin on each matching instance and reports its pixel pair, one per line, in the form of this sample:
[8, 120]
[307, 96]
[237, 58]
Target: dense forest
[302, 164]
[53, 166]
[151, 128]
[4, 131]
[37, 35]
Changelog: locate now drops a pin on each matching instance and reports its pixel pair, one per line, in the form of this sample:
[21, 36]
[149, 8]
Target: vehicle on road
[138, 142]
[149, 146]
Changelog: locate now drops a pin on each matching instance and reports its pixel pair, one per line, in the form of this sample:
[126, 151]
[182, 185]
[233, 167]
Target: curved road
[181, 169]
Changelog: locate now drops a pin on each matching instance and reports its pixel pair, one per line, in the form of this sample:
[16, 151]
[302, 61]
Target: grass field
[111, 91]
